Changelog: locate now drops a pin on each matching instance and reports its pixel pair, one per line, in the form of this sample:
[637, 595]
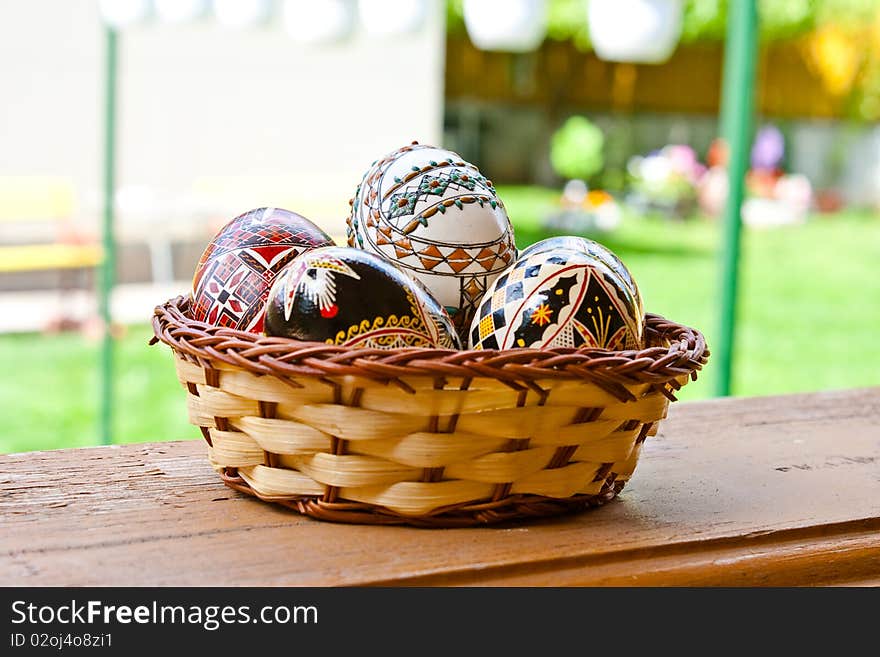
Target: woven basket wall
[420, 436]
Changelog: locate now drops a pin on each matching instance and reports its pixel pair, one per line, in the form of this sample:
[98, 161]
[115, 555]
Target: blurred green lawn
[809, 317]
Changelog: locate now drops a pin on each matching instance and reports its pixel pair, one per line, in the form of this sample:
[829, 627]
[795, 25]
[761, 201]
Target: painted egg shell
[557, 299]
[350, 297]
[440, 219]
[592, 248]
[235, 272]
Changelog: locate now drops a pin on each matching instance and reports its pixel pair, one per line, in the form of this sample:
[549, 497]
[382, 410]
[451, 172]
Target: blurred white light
[323, 21]
[656, 169]
[391, 17]
[508, 25]
[242, 13]
[644, 31]
[123, 13]
[180, 11]
[575, 192]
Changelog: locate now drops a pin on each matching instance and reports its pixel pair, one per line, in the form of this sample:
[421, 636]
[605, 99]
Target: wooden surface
[764, 491]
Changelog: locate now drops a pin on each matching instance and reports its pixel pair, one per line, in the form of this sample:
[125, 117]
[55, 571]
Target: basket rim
[676, 350]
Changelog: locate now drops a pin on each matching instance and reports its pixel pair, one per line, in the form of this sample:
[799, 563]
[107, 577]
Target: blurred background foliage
[576, 149]
[842, 37]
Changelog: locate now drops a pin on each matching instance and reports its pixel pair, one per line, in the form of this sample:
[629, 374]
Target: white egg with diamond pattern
[438, 218]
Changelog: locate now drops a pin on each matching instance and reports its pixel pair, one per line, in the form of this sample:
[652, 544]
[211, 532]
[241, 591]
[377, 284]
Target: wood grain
[765, 491]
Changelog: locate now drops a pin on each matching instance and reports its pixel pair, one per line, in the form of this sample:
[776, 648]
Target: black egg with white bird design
[558, 297]
[346, 296]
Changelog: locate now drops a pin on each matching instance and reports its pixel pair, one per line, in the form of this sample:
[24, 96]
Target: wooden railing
[762, 491]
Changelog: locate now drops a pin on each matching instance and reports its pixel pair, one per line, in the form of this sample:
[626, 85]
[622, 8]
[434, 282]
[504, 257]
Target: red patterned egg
[236, 271]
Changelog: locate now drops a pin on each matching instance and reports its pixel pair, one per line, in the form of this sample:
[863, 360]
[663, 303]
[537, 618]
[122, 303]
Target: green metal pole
[108, 268]
[737, 106]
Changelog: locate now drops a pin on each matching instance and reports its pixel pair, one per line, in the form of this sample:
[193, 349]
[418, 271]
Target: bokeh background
[227, 106]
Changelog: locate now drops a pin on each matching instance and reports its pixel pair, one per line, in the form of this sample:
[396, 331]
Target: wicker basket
[422, 436]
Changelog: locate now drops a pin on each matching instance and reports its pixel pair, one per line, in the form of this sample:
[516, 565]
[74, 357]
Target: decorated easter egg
[556, 299]
[350, 297]
[438, 218]
[591, 248]
[235, 272]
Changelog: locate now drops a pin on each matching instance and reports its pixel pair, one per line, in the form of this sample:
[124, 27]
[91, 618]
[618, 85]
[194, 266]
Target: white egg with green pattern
[436, 216]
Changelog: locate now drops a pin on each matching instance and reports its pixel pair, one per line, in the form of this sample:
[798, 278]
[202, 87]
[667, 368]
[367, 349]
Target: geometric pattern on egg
[559, 299]
[591, 248]
[233, 276]
[437, 217]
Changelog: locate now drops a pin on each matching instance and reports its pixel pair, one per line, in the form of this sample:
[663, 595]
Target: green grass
[809, 309]
[49, 392]
[809, 317]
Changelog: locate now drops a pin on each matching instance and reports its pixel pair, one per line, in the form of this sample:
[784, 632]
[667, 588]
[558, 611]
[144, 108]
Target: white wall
[212, 118]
